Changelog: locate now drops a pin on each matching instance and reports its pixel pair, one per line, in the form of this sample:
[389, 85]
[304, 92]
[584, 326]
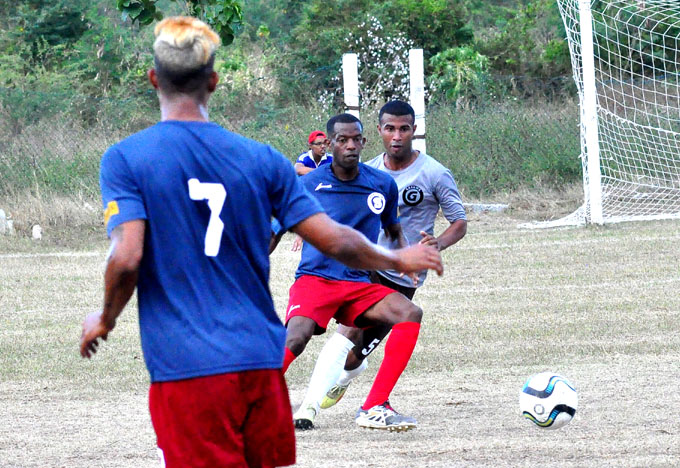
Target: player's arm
[277, 233]
[120, 280]
[446, 191]
[301, 169]
[394, 231]
[354, 250]
[452, 234]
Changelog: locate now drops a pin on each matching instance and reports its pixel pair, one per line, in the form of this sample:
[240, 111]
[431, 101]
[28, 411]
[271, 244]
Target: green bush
[502, 147]
[493, 148]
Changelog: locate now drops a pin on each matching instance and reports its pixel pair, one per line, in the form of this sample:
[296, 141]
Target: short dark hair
[185, 81]
[341, 118]
[397, 108]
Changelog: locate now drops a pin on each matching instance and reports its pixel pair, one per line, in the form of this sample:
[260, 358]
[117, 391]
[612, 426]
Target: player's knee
[300, 330]
[296, 343]
[351, 333]
[411, 313]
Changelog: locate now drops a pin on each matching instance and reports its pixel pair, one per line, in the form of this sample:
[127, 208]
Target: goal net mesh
[637, 63]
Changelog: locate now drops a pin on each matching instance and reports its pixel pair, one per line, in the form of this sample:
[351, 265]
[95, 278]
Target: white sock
[347, 376]
[329, 365]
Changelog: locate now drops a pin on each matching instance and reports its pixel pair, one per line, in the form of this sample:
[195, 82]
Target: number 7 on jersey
[215, 194]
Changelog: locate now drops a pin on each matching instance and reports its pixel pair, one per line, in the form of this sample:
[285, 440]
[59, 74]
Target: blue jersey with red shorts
[368, 203]
[207, 196]
[325, 288]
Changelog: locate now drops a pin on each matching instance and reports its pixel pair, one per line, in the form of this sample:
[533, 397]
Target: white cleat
[304, 417]
[384, 417]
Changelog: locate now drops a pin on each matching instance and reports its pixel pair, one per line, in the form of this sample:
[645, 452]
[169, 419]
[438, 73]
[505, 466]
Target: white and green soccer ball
[548, 400]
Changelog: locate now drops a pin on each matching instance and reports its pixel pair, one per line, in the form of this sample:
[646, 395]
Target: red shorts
[240, 419]
[320, 299]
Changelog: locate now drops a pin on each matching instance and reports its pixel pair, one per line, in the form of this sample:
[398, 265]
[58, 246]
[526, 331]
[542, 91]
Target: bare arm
[274, 240]
[354, 250]
[452, 234]
[301, 169]
[395, 232]
[120, 280]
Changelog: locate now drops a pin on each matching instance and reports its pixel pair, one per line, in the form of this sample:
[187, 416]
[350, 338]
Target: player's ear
[414, 128]
[212, 81]
[153, 78]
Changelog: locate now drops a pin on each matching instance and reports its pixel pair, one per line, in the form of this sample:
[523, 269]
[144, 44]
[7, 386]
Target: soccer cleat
[304, 417]
[384, 417]
[333, 395]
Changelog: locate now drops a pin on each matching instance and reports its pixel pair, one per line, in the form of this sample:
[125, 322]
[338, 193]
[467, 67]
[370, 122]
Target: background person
[316, 156]
[212, 341]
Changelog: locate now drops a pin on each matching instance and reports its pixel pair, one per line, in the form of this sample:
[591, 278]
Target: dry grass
[599, 305]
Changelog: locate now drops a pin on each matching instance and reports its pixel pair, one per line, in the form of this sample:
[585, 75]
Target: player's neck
[184, 108]
[344, 174]
[397, 164]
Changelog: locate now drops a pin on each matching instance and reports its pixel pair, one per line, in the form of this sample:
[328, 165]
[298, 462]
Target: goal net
[625, 57]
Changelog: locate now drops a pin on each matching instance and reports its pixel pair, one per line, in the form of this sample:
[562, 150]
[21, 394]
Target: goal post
[350, 82]
[417, 96]
[589, 114]
[625, 57]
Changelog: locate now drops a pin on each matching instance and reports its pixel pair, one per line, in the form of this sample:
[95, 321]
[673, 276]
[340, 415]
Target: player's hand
[297, 244]
[429, 239]
[413, 277]
[94, 328]
[419, 257]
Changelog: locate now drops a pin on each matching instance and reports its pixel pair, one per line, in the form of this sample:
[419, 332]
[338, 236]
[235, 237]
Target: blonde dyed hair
[184, 43]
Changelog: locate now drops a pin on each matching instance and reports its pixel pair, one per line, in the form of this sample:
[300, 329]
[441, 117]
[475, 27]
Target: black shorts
[405, 290]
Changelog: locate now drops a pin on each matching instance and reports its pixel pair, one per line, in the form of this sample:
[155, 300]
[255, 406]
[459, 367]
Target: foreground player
[366, 199]
[174, 197]
[425, 186]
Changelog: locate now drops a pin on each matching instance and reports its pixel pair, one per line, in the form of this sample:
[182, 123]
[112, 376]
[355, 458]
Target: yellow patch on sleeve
[111, 209]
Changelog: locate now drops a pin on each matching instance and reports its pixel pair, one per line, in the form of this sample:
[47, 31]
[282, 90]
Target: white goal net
[629, 91]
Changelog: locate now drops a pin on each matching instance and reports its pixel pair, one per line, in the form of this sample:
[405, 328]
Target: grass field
[599, 305]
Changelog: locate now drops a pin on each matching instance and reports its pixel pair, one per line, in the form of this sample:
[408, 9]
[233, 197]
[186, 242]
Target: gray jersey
[424, 187]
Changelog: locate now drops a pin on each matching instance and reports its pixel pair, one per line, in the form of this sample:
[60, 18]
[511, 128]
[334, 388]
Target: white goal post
[350, 81]
[625, 56]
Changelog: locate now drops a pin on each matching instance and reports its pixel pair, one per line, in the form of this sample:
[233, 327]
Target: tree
[532, 44]
[433, 25]
[225, 16]
[458, 74]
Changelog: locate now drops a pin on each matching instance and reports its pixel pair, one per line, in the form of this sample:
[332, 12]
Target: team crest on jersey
[412, 195]
[376, 202]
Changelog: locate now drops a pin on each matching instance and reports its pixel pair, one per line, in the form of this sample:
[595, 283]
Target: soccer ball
[548, 400]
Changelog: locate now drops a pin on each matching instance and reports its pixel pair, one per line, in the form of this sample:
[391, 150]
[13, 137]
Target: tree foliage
[433, 25]
[531, 44]
[225, 16]
[458, 74]
[283, 50]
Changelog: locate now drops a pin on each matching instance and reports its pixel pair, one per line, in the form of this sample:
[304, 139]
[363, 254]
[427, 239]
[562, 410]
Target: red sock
[398, 350]
[288, 357]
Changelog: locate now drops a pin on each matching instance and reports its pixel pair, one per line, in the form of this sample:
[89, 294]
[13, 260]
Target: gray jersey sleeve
[446, 192]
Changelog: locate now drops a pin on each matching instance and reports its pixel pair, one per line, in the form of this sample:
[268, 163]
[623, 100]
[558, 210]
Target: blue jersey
[366, 203]
[307, 159]
[207, 196]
